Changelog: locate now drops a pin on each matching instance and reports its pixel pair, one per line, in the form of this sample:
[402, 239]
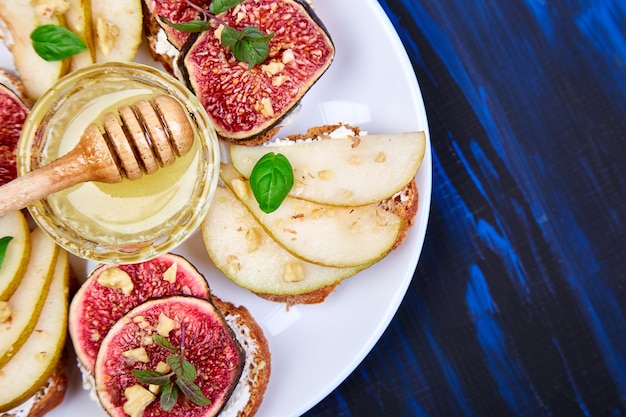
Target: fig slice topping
[248, 103]
[13, 113]
[204, 361]
[112, 290]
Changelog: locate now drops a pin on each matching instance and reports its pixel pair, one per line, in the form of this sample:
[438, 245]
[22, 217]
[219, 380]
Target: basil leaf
[55, 43]
[271, 180]
[220, 6]
[192, 26]
[253, 48]
[151, 377]
[192, 392]
[169, 396]
[164, 343]
[250, 51]
[4, 244]
[253, 32]
[230, 36]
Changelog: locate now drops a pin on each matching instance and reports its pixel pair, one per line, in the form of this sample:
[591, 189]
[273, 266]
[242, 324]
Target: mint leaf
[169, 396]
[151, 377]
[271, 180]
[220, 6]
[192, 26]
[4, 244]
[182, 367]
[55, 43]
[164, 343]
[193, 392]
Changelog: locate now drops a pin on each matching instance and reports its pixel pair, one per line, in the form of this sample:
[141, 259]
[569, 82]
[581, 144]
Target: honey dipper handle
[90, 160]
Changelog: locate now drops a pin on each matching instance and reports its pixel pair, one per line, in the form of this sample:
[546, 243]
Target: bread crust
[404, 204]
[49, 395]
[261, 362]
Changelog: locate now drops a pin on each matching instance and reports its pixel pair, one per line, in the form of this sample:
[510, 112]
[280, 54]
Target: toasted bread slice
[257, 367]
[404, 204]
[248, 395]
[47, 398]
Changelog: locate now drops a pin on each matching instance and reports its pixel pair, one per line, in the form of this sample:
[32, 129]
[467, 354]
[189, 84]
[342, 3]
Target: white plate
[314, 348]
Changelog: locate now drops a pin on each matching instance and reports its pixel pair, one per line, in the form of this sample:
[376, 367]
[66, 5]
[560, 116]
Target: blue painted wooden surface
[518, 304]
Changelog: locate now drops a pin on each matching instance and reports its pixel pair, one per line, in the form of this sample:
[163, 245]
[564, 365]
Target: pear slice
[17, 253]
[78, 20]
[28, 299]
[343, 171]
[322, 234]
[239, 246]
[118, 29]
[20, 18]
[38, 357]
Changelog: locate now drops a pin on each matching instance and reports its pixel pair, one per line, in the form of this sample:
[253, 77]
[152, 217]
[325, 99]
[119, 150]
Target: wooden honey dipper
[153, 133]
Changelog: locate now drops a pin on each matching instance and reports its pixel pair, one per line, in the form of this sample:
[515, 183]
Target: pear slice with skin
[21, 18]
[38, 357]
[322, 234]
[78, 20]
[239, 246]
[28, 299]
[17, 252]
[118, 29]
[344, 170]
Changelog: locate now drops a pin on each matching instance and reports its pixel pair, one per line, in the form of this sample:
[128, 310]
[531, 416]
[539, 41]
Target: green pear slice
[118, 29]
[322, 234]
[38, 357]
[343, 171]
[20, 18]
[28, 299]
[239, 246]
[78, 20]
[17, 252]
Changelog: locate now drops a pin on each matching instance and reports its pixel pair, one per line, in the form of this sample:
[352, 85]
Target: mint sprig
[271, 180]
[56, 43]
[180, 378]
[249, 45]
[4, 244]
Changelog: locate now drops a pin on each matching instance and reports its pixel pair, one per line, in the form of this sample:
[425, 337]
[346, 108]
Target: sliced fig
[13, 112]
[249, 104]
[176, 12]
[198, 330]
[112, 290]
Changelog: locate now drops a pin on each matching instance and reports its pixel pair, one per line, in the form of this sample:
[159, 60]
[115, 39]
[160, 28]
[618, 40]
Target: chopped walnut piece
[239, 186]
[253, 239]
[165, 325]
[5, 311]
[293, 272]
[170, 274]
[232, 263]
[326, 175]
[50, 8]
[137, 399]
[381, 157]
[273, 67]
[288, 56]
[106, 35]
[138, 355]
[116, 279]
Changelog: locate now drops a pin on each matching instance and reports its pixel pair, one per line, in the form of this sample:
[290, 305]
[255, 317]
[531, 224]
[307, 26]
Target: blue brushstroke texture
[579, 399]
[596, 301]
[512, 384]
